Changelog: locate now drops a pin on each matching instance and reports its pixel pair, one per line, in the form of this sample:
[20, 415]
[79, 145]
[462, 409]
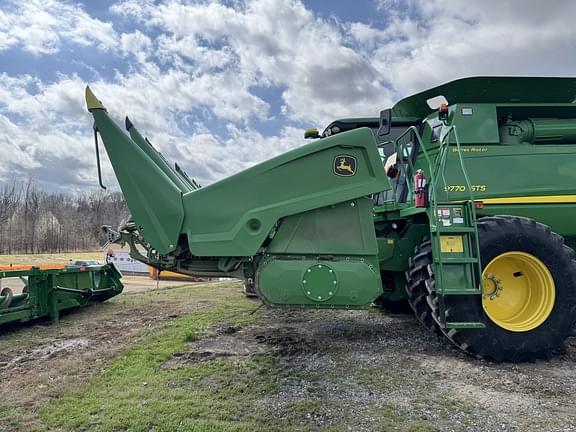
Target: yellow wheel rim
[519, 291]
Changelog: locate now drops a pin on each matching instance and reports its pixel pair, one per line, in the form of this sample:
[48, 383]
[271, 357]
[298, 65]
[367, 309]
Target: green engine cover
[351, 283]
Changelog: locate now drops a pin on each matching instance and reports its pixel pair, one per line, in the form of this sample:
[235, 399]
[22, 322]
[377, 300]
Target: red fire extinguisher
[420, 195]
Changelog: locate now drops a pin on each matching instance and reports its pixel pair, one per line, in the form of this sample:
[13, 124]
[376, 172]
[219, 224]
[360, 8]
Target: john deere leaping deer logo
[344, 165]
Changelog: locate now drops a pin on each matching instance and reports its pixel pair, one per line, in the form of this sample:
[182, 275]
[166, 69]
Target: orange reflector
[479, 204]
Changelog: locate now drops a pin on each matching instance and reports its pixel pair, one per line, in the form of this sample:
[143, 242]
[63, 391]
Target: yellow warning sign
[451, 244]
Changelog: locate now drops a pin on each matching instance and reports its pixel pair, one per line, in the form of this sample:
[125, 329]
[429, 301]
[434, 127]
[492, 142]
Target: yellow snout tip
[92, 101]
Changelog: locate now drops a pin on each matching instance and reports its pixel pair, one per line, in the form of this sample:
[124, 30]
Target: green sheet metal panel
[152, 197]
[234, 216]
[156, 156]
[492, 90]
[344, 228]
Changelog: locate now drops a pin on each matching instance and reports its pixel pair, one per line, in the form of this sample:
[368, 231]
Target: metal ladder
[454, 235]
[456, 258]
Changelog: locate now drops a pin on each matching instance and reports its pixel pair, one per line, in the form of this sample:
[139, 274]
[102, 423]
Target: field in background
[50, 258]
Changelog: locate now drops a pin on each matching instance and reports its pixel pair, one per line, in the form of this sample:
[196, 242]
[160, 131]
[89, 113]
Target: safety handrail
[400, 147]
[440, 168]
[471, 206]
[439, 172]
[421, 145]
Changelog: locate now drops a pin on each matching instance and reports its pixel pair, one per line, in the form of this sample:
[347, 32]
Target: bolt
[330, 271]
[309, 270]
[330, 293]
[334, 282]
[304, 281]
[319, 265]
[352, 204]
[319, 297]
[308, 292]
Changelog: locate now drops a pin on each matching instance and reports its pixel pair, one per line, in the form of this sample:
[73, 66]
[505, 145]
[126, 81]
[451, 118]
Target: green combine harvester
[464, 209]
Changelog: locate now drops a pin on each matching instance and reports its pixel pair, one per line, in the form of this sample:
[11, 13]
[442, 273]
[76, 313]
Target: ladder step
[465, 325]
[456, 260]
[452, 230]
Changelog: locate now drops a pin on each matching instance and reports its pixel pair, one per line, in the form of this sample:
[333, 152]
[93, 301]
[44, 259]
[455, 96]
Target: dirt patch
[236, 344]
[283, 341]
[44, 352]
[229, 347]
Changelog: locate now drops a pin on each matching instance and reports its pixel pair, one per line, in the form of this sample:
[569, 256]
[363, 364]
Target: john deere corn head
[466, 210]
[48, 291]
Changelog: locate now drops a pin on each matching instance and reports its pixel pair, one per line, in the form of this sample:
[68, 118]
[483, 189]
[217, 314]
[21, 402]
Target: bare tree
[33, 221]
[9, 201]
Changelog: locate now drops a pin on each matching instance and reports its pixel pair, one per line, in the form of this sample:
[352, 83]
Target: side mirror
[385, 122]
[311, 133]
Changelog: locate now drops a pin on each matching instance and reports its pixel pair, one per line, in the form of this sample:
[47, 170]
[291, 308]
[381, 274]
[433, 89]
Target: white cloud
[278, 43]
[435, 41]
[136, 44]
[42, 26]
[206, 157]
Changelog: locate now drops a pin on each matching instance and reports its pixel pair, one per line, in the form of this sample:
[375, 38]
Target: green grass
[135, 394]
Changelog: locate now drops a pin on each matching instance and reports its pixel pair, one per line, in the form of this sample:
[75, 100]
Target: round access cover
[319, 282]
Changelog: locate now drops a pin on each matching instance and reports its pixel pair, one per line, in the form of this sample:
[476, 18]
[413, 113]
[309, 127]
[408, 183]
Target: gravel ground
[359, 371]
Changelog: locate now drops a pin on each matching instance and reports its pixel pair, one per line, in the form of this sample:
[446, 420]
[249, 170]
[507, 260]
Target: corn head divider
[48, 291]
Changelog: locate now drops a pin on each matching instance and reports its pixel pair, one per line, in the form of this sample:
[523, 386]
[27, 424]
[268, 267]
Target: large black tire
[417, 277]
[499, 235]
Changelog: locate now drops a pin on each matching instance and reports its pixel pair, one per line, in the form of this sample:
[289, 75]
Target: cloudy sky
[221, 85]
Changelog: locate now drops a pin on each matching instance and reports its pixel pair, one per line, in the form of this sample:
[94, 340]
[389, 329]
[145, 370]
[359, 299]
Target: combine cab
[463, 210]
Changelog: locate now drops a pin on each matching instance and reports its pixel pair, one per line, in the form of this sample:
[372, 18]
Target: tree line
[38, 221]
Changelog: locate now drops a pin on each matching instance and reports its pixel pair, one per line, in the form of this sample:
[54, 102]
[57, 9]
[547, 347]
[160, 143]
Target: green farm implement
[48, 291]
[459, 201]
